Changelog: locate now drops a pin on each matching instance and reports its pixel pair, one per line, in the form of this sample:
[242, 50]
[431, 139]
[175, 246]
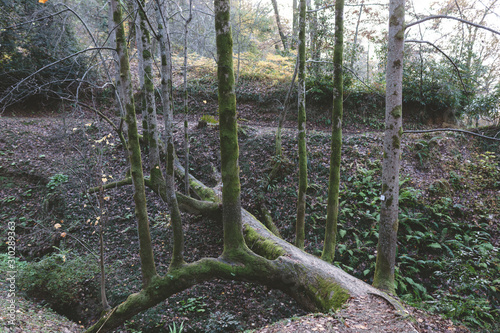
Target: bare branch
[15, 26]
[351, 5]
[435, 17]
[442, 52]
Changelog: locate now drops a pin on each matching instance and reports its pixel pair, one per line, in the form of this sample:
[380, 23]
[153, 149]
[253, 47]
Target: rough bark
[386, 249]
[145, 248]
[336, 149]
[301, 197]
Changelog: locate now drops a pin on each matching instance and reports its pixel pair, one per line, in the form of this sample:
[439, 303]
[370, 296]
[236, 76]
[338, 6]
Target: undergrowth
[448, 254]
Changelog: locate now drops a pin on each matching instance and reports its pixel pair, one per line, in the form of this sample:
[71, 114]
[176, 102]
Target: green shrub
[60, 279]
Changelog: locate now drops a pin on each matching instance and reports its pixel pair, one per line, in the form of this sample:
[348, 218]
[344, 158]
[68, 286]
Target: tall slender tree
[386, 249]
[301, 197]
[145, 248]
[336, 149]
[228, 132]
[166, 97]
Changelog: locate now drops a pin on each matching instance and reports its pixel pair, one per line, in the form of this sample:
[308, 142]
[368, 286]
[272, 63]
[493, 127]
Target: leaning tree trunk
[301, 197]
[338, 92]
[280, 27]
[386, 249]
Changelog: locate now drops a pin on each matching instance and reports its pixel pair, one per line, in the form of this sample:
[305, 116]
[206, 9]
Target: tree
[251, 252]
[280, 27]
[301, 122]
[38, 37]
[336, 149]
[388, 226]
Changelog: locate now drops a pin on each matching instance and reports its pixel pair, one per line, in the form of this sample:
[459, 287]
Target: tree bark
[301, 197]
[228, 131]
[151, 133]
[145, 248]
[336, 149]
[387, 243]
[169, 183]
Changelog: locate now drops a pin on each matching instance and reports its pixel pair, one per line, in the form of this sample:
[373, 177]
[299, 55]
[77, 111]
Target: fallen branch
[452, 130]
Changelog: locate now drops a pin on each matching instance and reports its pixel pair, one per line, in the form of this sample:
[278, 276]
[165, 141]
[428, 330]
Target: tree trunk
[355, 43]
[166, 94]
[295, 15]
[186, 109]
[150, 118]
[336, 150]
[145, 249]
[301, 197]
[278, 24]
[228, 131]
[386, 249]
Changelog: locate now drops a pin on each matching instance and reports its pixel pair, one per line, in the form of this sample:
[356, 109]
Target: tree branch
[452, 130]
[434, 17]
[442, 52]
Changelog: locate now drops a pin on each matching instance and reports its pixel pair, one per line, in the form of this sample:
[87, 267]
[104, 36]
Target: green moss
[330, 294]
[396, 142]
[262, 246]
[389, 202]
[384, 188]
[397, 111]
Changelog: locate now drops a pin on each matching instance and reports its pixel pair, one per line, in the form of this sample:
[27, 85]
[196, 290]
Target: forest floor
[57, 217]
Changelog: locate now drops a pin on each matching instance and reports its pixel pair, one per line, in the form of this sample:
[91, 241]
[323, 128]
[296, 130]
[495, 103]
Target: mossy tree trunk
[228, 131]
[336, 149]
[145, 248]
[387, 243]
[301, 197]
[166, 96]
[150, 120]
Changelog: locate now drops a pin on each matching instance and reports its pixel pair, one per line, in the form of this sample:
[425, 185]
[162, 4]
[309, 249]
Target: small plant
[56, 181]
[193, 304]
[174, 329]
[207, 120]
[222, 322]
[423, 149]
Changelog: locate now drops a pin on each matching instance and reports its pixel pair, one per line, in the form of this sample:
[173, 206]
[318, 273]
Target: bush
[62, 279]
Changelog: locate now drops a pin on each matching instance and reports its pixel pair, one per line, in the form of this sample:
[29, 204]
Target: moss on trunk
[145, 248]
[301, 196]
[336, 149]
[228, 130]
[386, 248]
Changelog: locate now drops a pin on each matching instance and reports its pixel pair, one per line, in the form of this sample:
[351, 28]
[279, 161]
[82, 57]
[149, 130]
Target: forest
[249, 166]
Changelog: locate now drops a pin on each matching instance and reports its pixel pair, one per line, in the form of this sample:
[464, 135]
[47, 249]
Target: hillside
[449, 232]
